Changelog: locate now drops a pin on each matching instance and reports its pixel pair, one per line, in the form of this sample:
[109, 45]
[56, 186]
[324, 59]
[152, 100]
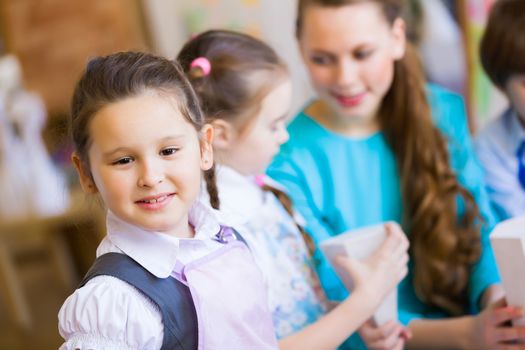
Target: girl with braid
[379, 144]
[167, 275]
[245, 93]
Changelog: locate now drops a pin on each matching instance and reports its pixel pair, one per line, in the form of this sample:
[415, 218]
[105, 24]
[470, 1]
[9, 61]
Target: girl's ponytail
[211, 187]
[444, 245]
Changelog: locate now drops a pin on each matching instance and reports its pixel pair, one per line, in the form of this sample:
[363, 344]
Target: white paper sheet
[508, 243]
[359, 244]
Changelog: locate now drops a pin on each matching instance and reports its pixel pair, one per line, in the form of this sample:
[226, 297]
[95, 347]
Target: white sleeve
[501, 177]
[108, 313]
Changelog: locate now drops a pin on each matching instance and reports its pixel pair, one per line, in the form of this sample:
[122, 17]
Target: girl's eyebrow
[283, 117]
[109, 154]
[321, 52]
[173, 137]
[330, 54]
[125, 149]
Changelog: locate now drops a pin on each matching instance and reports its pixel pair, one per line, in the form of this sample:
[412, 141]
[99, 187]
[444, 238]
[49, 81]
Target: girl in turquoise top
[379, 145]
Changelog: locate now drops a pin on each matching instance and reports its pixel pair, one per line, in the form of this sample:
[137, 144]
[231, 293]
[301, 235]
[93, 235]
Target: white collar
[240, 196]
[155, 251]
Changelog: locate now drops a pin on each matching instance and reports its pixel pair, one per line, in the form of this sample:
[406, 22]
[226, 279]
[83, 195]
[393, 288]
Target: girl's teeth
[160, 199]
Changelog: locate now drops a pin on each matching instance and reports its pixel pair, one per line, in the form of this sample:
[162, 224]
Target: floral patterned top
[295, 296]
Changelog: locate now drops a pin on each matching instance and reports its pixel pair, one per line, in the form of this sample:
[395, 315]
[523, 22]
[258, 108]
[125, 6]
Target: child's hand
[376, 275]
[390, 336]
[491, 329]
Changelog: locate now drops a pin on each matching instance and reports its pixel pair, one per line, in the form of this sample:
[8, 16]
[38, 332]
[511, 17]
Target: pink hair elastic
[259, 180]
[203, 63]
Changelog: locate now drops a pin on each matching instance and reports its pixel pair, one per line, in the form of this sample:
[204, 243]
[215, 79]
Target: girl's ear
[86, 181]
[206, 144]
[224, 134]
[399, 36]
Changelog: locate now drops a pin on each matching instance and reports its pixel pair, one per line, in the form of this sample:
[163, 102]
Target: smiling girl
[167, 274]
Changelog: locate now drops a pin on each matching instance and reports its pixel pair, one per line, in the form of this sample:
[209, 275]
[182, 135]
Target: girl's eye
[275, 126]
[362, 54]
[123, 161]
[169, 151]
[321, 60]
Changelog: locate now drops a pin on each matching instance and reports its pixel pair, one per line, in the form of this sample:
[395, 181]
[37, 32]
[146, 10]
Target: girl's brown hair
[243, 71]
[502, 49]
[122, 75]
[444, 244]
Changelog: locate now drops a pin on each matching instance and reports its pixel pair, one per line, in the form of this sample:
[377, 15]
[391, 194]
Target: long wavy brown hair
[445, 241]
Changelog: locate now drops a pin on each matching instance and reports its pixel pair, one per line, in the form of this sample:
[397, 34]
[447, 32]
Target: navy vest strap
[172, 297]
[239, 237]
[226, 234]
[521, 165]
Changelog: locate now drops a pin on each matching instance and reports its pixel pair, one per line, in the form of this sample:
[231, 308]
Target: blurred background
[48, 229]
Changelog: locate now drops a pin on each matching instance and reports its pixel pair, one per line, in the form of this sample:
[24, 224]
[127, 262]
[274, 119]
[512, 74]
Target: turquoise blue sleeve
[453, 123]
[303, 181]
[284, 170]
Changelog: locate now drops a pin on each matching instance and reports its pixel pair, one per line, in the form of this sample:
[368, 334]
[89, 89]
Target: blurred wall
[487, 102]
[172, 22]
[53, 39]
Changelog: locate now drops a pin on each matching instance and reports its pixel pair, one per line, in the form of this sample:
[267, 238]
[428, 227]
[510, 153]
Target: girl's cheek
[381, 73]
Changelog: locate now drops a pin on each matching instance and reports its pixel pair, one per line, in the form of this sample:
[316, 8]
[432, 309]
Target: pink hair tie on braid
[203, 63]
[259, 180]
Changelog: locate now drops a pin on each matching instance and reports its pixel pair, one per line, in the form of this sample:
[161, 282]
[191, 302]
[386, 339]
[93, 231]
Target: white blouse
[108, 313]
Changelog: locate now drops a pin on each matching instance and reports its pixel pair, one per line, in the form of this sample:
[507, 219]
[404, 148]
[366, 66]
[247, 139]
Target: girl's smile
[146, 162]
[352, 73]
[350, 100]
[156, 202]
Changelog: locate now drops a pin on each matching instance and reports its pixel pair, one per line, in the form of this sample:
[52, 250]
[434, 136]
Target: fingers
[371, 333]
[396, 242]
[504, 314]
[386, 337]
[502, 302]
[391, 342]
[399, 251]
[400, 345]
[389, 260]
[402, 265]
[510, 347]
[393, 238]
[509, 334]
[393, 229]
[406, 333]
[375, 335]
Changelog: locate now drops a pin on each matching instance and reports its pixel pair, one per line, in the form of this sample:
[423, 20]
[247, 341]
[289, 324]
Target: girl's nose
[151, 174]
[345, 72]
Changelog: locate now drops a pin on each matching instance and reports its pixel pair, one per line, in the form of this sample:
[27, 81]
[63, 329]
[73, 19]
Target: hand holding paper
[373, 259]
